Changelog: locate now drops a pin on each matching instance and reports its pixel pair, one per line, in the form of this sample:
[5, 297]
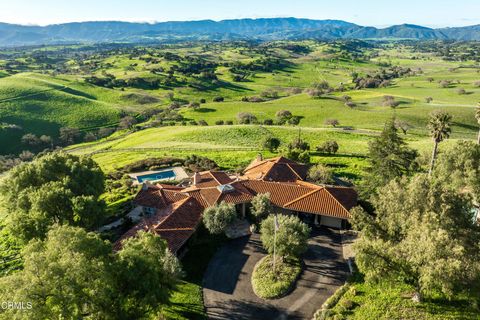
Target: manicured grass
[186, 301]
[392, 300]
[269, 285]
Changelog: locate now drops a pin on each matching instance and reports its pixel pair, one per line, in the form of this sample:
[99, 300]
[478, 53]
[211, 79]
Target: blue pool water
[157, 176]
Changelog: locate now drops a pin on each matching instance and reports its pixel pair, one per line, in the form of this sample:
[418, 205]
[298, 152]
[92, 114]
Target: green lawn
[186, 301]
[391, 300]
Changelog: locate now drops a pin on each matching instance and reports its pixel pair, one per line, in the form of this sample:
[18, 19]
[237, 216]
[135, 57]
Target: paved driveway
[228, 292]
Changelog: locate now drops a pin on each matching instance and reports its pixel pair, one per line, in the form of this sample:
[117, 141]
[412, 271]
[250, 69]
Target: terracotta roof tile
[348, 197]
[319, 201]
[175, 224]
[276, 169]
[212, 179]
[280, 193]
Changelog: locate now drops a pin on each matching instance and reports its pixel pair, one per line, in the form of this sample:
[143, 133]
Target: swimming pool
[156, 176]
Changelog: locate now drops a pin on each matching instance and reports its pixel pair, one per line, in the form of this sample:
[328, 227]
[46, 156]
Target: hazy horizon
[219, 20]
[377, 13]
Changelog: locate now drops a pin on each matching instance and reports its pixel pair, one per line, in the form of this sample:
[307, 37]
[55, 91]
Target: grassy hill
[41, 105]
[235, 146]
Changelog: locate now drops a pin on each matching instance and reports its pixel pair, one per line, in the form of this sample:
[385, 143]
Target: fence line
[213, 150]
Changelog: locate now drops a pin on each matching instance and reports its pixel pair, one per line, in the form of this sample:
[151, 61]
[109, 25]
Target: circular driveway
[228, 293]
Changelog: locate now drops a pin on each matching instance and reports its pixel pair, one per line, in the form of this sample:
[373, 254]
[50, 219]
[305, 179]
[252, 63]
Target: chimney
[259, 157]
[197, 178]
[145, 186]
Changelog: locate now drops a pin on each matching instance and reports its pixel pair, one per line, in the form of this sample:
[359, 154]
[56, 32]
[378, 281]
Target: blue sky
[380, 13]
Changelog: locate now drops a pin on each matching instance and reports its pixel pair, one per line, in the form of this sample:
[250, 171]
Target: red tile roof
[277, 169]
[280, 193]
[180, 209]
[159, 196]
[175, 223]
[211, 179]
[319, 201]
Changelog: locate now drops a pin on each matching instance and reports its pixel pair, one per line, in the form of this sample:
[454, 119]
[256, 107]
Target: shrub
[271, 143]
[283, 115]
[219, 217]
[229, 122]
[269, 285]
[461, 91]
[320, 174]
[291, 236]
[219, 122]
[294, 120]
[203, 101]
[329, 146]
[298, 143]
[350, 104]
[389, 101]
[445, 83]
[218, 99]
[332, 122]
[198, 163]
[476, 84]
[202, 123]
[268, 122]
[261, 206]
[269, 94]
[194, 105]
[428, 99]
[246, 118]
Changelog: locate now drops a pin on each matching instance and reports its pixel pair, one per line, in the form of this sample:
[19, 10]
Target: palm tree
[477, 116]
[439, 127]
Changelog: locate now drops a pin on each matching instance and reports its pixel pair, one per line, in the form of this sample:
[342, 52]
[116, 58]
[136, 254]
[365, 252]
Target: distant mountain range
[240, 29]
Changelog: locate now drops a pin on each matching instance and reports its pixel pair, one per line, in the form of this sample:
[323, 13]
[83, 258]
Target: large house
[174, 213]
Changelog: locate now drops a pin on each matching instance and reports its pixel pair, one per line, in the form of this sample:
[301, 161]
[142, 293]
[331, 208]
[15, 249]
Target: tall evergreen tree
[389, 158]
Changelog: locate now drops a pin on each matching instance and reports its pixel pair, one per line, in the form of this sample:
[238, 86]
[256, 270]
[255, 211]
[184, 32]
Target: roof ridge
[336, 200]
[302, 197]
[293, 170]
[175, 229]
[214, 178]
[259, 163]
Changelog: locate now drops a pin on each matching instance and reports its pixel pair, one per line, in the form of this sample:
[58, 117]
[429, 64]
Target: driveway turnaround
[227, 289]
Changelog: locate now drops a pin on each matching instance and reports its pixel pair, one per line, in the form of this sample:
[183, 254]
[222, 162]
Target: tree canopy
[56, 188]
[217, 218]
[73, 274]
[422, 233]
[292, 235]
[261, 206]
[389, 158]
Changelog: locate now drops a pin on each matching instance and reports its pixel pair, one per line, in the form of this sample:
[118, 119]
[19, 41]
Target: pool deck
[180, 174]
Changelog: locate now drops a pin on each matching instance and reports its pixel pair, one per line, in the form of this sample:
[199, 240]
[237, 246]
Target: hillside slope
[42, 105]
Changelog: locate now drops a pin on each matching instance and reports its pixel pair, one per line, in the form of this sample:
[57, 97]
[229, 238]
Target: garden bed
[268, 285]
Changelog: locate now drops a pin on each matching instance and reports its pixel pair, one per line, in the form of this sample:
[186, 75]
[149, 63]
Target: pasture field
[41, 98]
